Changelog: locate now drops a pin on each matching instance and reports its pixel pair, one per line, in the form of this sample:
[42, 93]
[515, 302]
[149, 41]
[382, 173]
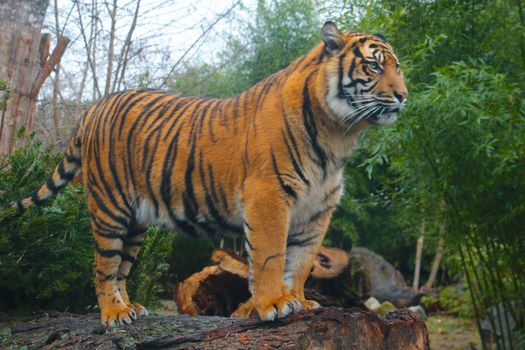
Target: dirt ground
[452, 333]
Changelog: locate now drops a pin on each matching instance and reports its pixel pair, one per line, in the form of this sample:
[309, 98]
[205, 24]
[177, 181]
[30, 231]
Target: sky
[165, 28]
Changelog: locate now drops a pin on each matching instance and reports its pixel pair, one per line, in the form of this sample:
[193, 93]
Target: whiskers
[364, 107]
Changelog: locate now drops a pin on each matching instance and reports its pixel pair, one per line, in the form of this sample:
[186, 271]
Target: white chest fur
[315, 199]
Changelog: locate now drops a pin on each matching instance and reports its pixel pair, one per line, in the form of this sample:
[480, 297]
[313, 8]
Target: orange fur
[267, 164]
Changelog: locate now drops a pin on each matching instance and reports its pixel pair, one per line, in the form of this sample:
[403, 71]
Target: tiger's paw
[118, 315]
[245, 310]
[140, 310]
[279, 308]
[310, 304]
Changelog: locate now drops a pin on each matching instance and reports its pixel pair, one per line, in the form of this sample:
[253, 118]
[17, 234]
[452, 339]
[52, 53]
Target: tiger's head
[362, 76]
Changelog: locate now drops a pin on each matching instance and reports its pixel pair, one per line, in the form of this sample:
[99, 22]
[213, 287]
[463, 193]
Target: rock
[418, 310]
[385, 283]
[372, 304]
[499, 323]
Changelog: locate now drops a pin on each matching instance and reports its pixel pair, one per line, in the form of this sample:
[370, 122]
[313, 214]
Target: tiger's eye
[374, 66]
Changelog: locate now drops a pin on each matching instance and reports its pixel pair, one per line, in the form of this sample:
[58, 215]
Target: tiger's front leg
[267, 212]
[301, 250]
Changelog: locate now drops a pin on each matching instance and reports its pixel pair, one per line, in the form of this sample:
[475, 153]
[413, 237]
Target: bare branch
[111, 45]
[204, 33]
[56, 81]
[87, 46]
[49, 65]
[123, 58]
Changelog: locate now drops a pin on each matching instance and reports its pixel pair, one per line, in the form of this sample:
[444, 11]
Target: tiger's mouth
[374, 111]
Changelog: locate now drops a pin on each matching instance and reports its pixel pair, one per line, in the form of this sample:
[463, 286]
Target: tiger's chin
[383, 119]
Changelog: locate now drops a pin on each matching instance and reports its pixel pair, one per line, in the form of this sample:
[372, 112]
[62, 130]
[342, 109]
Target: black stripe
[330, 193]
[320, 214]
[223, 198]
[105, 210]
[129, 258]
[62, 172]
[310, 127]
[210, 122]
[271, 257]
[106, 277]
[292, 139]
[248, 225]
[149, 168]
[35, 198]
[286, 188]
[104, 225]
[110, 235]
[72, 159]
[340, 73]
[212, 184]
[191, 207]
[130, 103]
[107, 253]
[187, 103]
[212, 208]
[194, 118]
[107, 189]
[296, 166]
[357, 52]
[248, 243]
[301, 242]
[203, 115]
[51, 186]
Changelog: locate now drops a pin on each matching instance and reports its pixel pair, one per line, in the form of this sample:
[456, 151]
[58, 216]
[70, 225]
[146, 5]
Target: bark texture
[325, 328]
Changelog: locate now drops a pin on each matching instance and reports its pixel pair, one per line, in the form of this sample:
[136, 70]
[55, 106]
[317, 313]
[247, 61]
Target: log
[325, 328]
[337, 279]
[218, 289]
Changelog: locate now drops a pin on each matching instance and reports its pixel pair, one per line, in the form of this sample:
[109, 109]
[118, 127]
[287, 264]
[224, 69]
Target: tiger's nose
[401, 96]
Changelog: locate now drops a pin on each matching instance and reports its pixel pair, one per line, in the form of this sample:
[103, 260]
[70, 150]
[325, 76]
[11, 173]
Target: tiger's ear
[380, 37]
[332, 38]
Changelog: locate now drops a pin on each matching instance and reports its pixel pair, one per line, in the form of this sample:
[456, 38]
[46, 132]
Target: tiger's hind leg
[131, 248]
[109, 237]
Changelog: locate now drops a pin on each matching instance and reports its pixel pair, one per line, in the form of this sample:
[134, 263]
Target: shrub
[46, 254]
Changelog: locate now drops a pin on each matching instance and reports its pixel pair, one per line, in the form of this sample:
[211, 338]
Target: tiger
[266, 165]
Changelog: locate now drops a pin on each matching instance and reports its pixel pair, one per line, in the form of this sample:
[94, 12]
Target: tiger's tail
[64, 173]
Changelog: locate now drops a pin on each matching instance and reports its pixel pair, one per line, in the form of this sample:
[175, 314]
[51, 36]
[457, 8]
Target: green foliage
[204, 80]
[46, 253]
[5, 96]
[144, 282]
[282, 32]
[454, 299]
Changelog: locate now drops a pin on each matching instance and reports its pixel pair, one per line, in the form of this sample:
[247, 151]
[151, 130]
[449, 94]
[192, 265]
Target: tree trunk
[20, 27]
[437, 258]
[25, 63]
[325, 328]
[419, 254]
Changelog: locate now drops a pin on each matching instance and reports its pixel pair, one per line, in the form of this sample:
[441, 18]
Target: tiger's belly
[320, 196]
